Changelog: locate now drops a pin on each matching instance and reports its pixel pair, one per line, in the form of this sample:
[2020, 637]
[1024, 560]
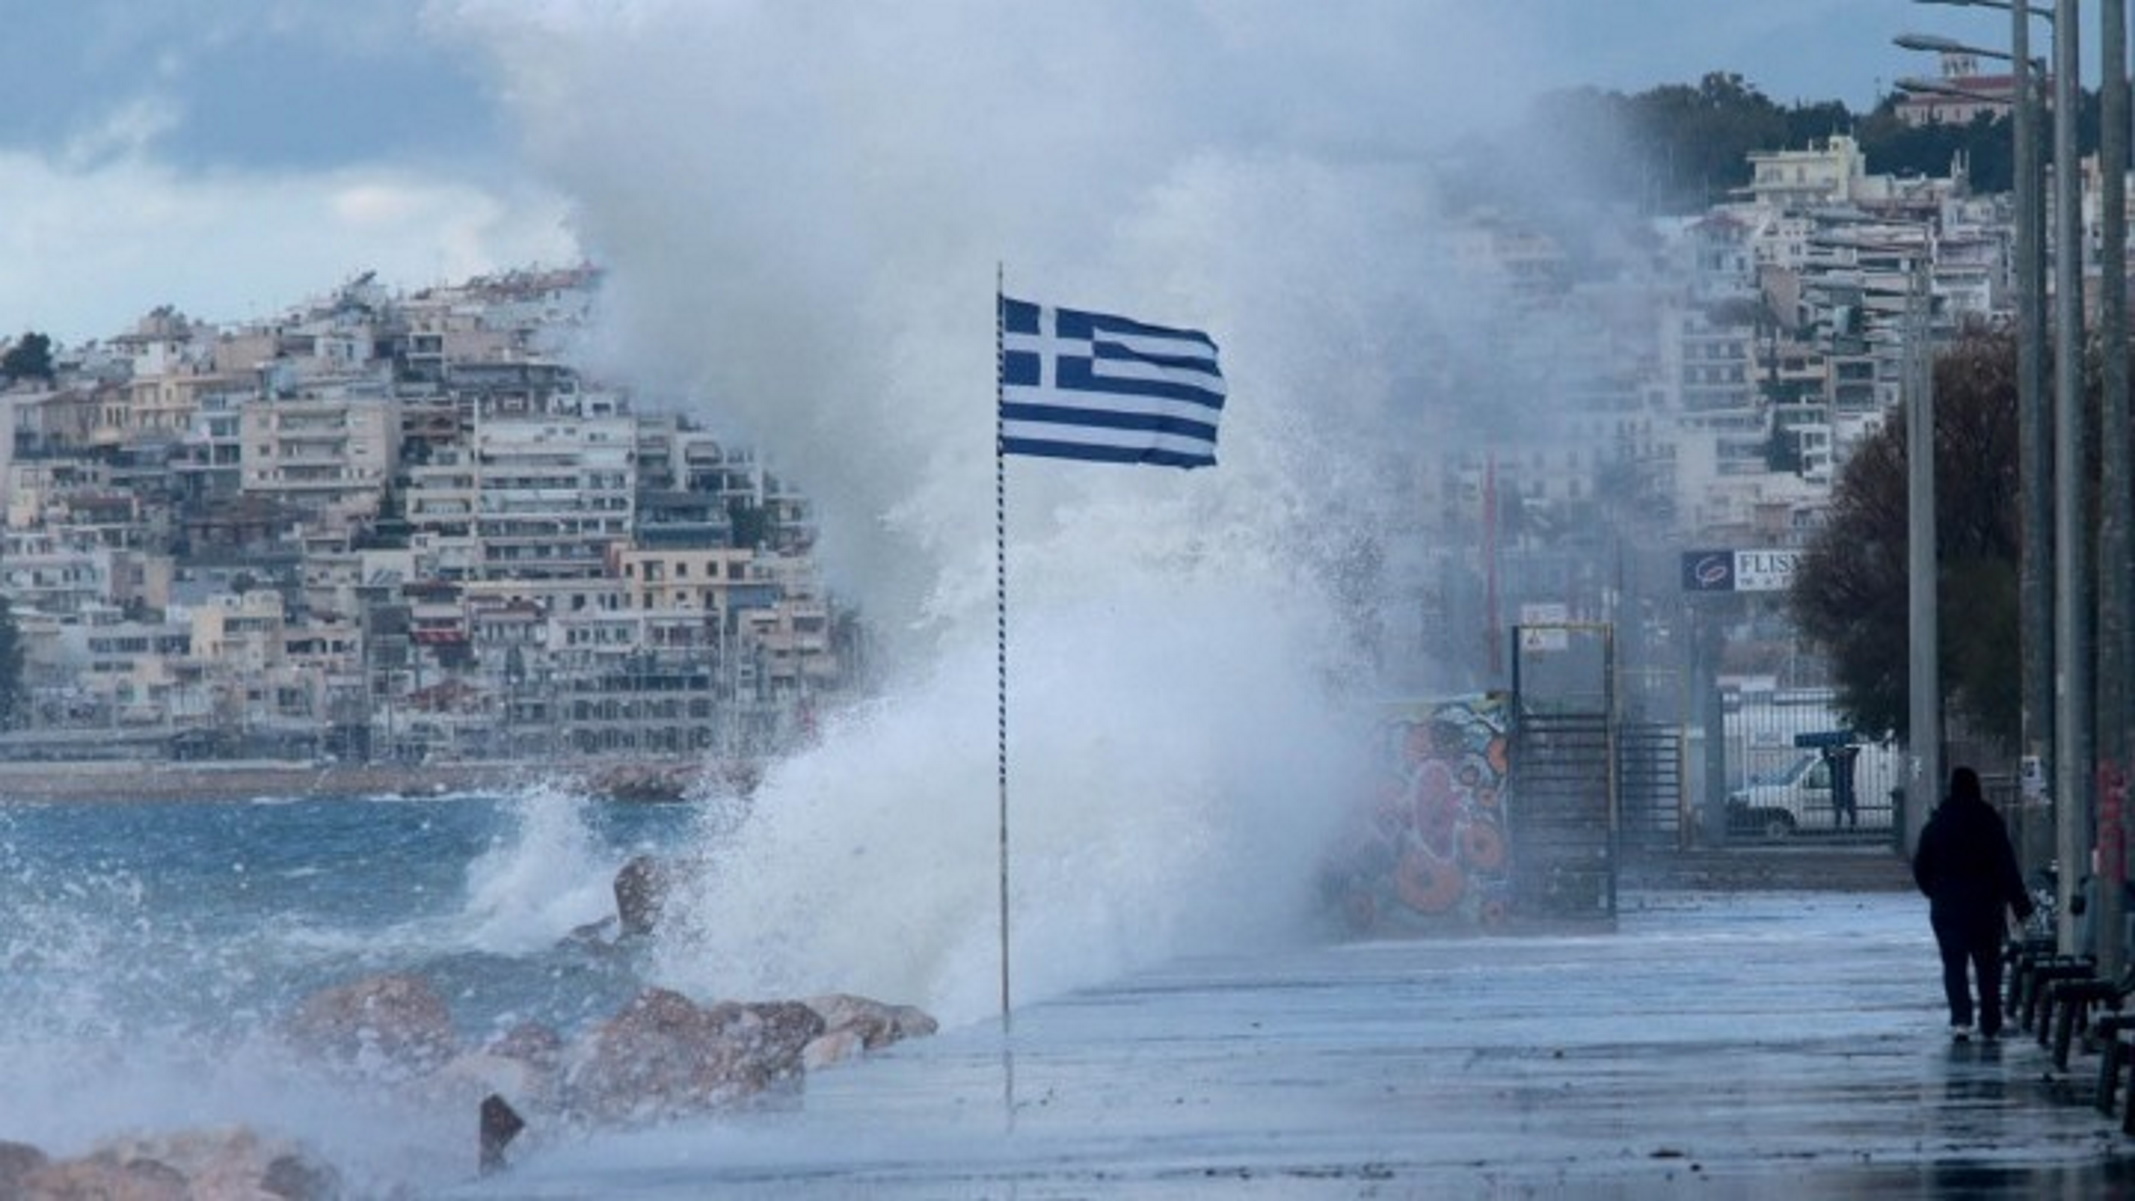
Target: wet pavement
[1770, 1044]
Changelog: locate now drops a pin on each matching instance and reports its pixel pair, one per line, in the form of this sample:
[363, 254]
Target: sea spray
[151, 956]
[1186, 651]
[1170, 778]
[545, 876]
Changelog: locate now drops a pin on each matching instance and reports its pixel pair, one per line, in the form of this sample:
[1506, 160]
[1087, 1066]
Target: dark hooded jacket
[1965, 864]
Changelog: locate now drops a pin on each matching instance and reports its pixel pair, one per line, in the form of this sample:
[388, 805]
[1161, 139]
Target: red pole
[1495, 628]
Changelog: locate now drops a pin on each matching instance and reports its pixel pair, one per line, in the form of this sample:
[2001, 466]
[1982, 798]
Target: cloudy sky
[232, 156]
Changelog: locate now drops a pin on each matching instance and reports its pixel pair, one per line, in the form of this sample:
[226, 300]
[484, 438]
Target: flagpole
[1000, 622]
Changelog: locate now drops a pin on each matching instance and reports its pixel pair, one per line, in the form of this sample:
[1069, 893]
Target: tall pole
[2034, 439]
[1922, 628]
[1000, 634]
[2114, 501]
[2071, 642]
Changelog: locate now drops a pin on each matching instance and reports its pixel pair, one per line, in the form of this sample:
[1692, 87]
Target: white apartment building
[327, 447]
[1970, 93]
[138, 672]
[1708, 362]
[242, 633]
[210, 457]
[241, 652]
[48, 572]
[699, 579]
[552, 493]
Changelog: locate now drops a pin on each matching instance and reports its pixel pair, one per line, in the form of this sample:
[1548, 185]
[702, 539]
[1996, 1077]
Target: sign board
[1739, 570]
[1545, 638]
[1550, 616]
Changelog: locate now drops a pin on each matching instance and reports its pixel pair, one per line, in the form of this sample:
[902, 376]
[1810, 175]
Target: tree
[1682, 147]
[11, 694]
[29, 358]
[1709, 130]
[1849, 594]
[752, 523]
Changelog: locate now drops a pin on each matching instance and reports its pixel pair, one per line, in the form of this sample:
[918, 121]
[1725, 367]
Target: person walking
[1967, 869]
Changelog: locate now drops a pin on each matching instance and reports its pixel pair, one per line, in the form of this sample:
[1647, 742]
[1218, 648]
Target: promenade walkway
[1756, 1044]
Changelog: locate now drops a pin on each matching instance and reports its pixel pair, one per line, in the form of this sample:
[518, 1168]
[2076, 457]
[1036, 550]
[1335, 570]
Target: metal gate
[1794, 772]
[1564, 849]
[1650, 787]
[1563, 810]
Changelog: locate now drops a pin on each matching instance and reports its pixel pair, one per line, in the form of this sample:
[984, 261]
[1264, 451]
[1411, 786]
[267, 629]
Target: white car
[1798, 796]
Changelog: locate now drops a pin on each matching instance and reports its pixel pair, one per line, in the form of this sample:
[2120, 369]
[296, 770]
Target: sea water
[149, 954]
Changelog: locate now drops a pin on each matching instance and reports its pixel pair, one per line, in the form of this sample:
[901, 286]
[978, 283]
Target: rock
[877, 1024]
[529, 1042]
[665, 1055]
[833, 1048]
[18, 1160]
[662, 1054]
[524, 1064]
[843, 1012]
[593, 934]
[499, 1125]
[772, 1035]
[640, 891]
[645, 783]
[395, 1024]
[910, 1021]
[465, 1079]
[298, 1177]
[98, 1178]
[185, 1166]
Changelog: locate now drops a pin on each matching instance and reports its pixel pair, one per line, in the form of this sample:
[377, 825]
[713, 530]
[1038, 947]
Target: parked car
[1799, 795]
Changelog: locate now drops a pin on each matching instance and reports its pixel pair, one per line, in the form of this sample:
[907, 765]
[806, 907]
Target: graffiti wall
[1428, 850]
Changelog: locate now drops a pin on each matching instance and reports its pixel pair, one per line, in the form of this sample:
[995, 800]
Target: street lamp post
[2067, 731]
[2034, 420]
[2115, 501]
[2034, 436]
[1923, 634]
[2073, 742]
[1916, 377]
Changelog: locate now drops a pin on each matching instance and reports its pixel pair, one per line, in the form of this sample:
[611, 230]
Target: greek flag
[1078, 385]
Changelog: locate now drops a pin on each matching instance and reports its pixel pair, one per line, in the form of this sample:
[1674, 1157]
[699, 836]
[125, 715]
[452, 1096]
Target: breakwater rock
[662, 1055]
[242, 780]
[191, 1165]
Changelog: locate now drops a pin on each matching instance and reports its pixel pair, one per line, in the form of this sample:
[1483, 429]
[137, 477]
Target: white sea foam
[545, 877]
[816, 276]
[1170, 776]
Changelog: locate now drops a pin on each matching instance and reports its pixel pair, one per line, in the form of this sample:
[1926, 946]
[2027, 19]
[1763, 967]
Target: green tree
[752, 523]
[1682, 147]
[1849, 594]
[29, 358]
[1806, 123]
[1708, 132]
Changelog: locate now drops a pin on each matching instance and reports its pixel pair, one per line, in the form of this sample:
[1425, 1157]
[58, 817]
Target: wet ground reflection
[1781, 1045]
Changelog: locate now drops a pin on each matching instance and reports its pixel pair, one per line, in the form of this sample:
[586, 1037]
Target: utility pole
[2115, 502]
[1922, 625]
[2072, 643]
[2034, 439]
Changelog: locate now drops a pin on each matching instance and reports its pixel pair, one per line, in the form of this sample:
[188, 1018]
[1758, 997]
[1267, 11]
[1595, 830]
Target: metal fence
[1653, 804]
[1794, 771]
[1565, 770]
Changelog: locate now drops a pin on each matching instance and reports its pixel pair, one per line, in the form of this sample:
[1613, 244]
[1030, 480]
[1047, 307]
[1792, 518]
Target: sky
[232, 157]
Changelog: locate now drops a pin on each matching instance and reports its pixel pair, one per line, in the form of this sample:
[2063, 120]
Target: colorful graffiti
[1431, 851]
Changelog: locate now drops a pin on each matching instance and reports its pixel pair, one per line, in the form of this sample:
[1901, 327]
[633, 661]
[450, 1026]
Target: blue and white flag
[1078, 385]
